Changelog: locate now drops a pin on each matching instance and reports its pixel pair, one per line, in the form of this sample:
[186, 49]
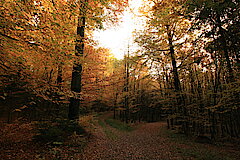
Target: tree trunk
[126, 87]
[115, 105]
[223, 36]
[60, 75]
[176, 80]
[76, 84]
[174, 63]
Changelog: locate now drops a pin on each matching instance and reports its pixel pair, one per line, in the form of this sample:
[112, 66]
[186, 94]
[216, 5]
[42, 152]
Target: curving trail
[147, 142]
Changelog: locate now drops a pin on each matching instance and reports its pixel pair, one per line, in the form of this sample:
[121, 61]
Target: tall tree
[218, 21]
[76, 85]
[166, 37]
[89, 11]
[126, 85]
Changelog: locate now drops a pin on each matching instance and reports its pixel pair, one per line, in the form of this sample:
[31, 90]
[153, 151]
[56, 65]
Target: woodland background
[186, 70]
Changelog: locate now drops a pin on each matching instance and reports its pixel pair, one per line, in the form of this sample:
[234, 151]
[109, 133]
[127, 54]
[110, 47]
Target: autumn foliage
[185, 70]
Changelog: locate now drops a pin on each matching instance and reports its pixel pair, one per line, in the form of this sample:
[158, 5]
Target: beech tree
[85, 7]
[76, 85]
[185, 46]
[165, 39]
[39, 43]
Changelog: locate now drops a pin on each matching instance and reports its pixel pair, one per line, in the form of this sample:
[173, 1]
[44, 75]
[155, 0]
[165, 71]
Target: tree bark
[59, 75]
[223, 37]
[126, 87]
[76, 84]
[173, 59]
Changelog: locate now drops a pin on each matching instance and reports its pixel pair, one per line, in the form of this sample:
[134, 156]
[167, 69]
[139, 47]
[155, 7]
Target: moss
[119, 125]
[107, 131]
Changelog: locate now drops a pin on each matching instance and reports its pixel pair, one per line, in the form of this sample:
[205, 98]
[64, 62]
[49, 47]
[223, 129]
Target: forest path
[143, 143]
[148, 141]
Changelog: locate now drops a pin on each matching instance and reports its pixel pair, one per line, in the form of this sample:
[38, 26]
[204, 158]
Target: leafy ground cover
[112, 139]
[41, 140]
[109, 139]
[188, 147]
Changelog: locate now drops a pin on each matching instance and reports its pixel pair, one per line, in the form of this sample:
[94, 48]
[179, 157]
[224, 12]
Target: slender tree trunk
[223, 36]
[50, 76]
[176, 80]
[76, 84]
[126, 87]
[173, 59]
[60, 75]
[115, 105]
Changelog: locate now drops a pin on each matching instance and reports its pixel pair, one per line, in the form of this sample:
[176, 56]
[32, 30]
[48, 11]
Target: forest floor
[149, 141]
[112, 140]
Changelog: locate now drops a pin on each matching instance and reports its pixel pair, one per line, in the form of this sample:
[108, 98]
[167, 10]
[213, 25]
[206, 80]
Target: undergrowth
[192, 149]
[57, 131]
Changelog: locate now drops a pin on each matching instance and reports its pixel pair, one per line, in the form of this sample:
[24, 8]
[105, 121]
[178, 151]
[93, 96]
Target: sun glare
[117, 39]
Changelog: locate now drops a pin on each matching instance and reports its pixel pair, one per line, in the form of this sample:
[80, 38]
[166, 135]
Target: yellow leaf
[19, 28]
[17, 110]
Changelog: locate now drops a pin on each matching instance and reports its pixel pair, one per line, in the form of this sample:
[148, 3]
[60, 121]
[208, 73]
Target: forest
[175, 96]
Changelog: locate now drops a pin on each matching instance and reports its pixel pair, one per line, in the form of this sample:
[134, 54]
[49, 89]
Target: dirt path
[147, 142]
[143, 143]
